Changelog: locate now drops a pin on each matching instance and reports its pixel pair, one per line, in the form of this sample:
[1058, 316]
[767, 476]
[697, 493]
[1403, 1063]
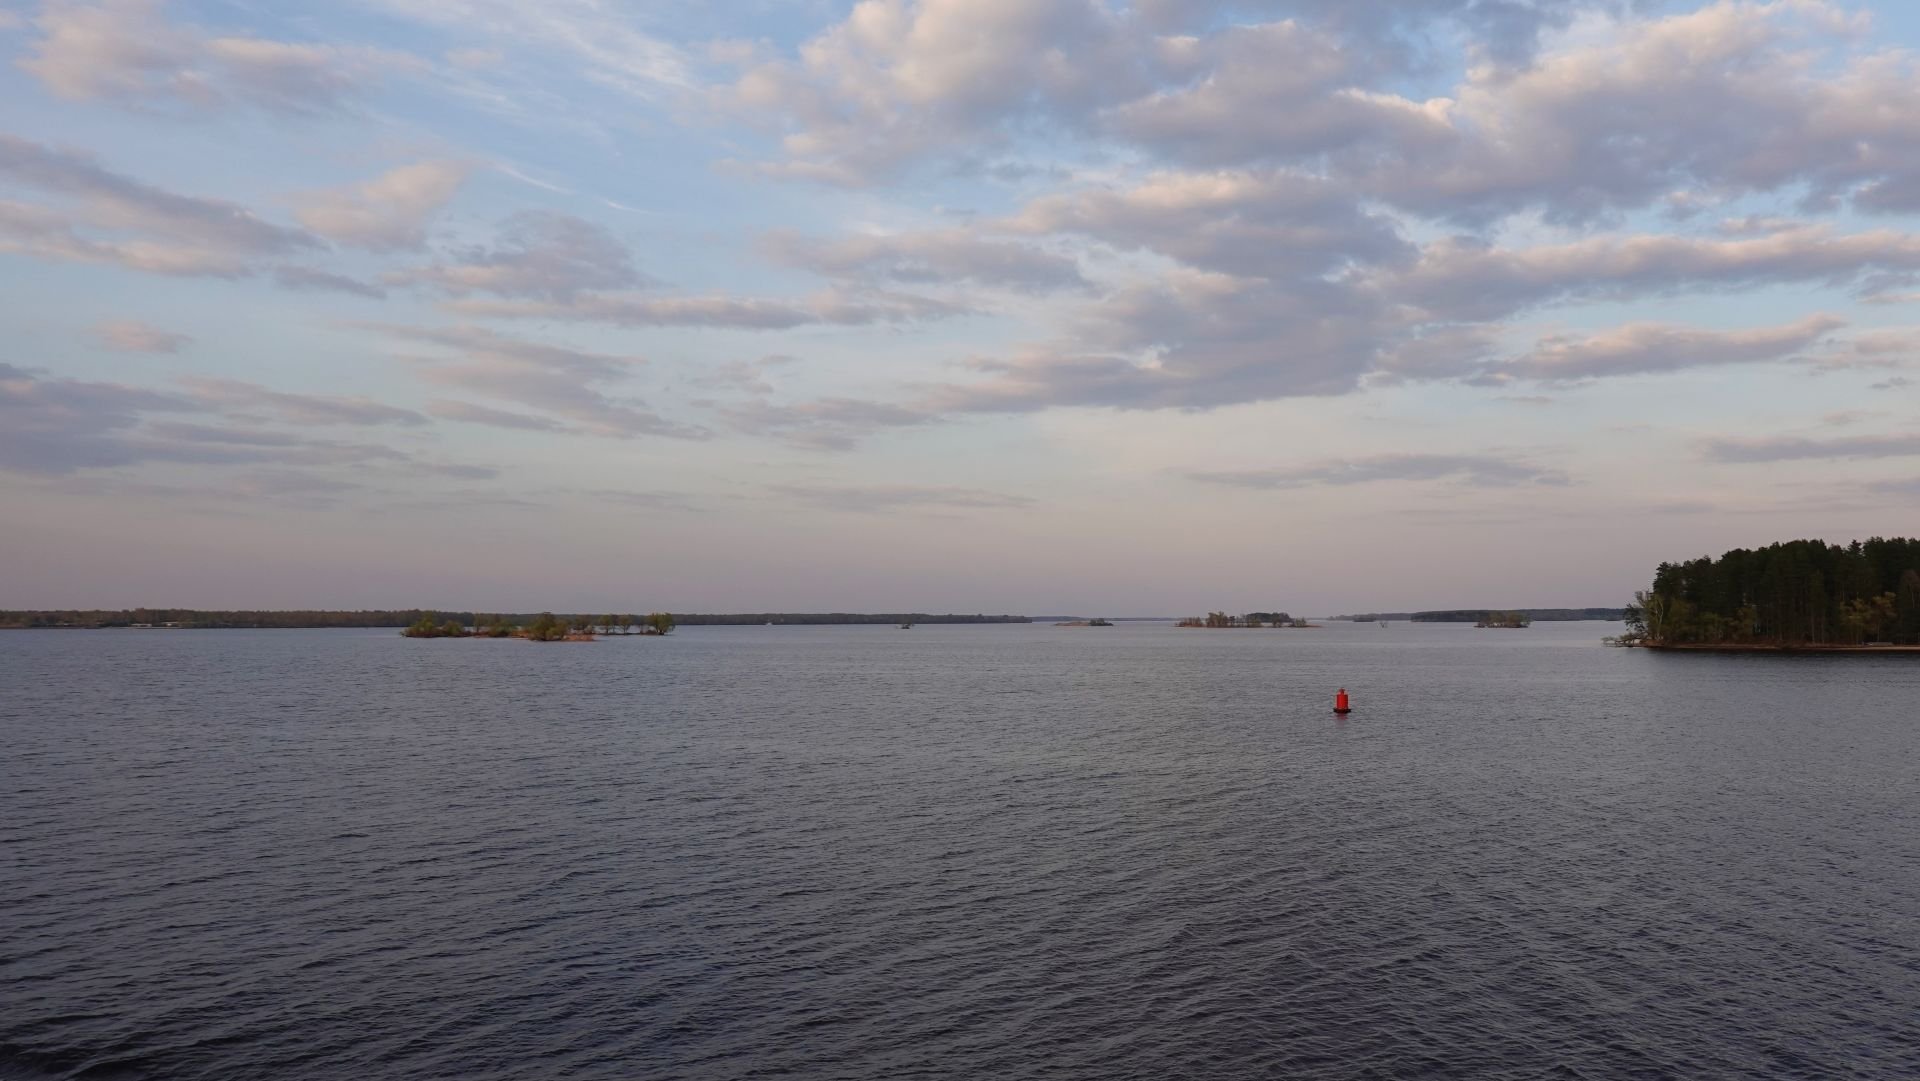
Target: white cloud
[1640, 348]
[389, 212]
[125, 51]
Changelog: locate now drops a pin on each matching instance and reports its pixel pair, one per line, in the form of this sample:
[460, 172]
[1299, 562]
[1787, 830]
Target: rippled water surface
[968, 852]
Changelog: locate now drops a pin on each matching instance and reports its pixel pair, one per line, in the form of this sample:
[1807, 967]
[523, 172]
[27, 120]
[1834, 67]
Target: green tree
[660, 622]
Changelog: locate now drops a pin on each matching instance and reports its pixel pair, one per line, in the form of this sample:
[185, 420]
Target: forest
[1792, 594]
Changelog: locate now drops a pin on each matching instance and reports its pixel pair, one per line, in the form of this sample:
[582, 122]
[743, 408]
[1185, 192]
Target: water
[966, 852]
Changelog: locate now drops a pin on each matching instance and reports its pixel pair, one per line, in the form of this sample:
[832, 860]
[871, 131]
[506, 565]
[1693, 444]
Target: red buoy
[1340, 704]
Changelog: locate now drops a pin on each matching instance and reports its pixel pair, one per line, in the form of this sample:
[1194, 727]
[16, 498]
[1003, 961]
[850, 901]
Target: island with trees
[1506, 621]
[1797, 595]
[545, 627]
[1223, 621]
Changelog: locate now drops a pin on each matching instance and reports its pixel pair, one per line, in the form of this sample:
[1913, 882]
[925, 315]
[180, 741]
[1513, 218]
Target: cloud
[834, 307]
[1268, 224]
[878, 499]
[596, 40]
[1796, 448]
[1476, 471]
[126, 52]
[469, 413]
[133, 336]
[111, 200]
[1276, 92]
[538, 254]
[306, 409]
[899, 79]
[943, 257]
[563, 387]
[308, 279]
[387, 213]
[654, 501]
[1458, 279]
[1641, 348]
[57, 426]
[826, 423]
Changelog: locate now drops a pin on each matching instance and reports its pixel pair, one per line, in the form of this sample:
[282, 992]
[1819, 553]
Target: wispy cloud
[1798, 448]
[128, 53]
[878, 499]
[134, 336]
[1477, 471]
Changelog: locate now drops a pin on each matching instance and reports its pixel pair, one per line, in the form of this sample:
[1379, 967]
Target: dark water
[981, 852]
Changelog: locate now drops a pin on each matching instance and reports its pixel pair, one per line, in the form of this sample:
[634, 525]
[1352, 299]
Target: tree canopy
[1796, 593]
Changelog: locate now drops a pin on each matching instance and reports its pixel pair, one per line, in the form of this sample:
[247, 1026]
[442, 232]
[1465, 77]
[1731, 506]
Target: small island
[1796, 596]
[545, 627]
[1085, 623]
[1223, 621]
[1507, 621]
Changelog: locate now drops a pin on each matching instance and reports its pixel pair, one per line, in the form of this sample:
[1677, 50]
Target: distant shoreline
[340, 619]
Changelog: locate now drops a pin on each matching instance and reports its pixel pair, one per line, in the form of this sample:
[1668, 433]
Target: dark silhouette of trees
[1797, 593]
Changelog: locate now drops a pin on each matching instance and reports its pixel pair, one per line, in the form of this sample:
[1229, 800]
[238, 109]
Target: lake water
[954, 852]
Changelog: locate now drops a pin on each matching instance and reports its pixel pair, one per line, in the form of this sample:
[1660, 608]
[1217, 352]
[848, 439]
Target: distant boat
[906, 626]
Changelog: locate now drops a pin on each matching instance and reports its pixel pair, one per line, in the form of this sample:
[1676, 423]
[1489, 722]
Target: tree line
[1251, 619]
[545, 627]
[1795, 593]
[407, 617]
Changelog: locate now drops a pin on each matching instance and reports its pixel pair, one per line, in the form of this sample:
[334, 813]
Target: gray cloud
[539, 254]
[307, 279]
[108, 217]
[133, 336]
[1478, 471]
[947, 256]
[125, 51]
[562, 386]
[831, 307]
[307, 409]
[469, 413]
[115, 200]
[1465, 280]
[825, 423]
[1796, 448]
[877, 499]
[56, 427]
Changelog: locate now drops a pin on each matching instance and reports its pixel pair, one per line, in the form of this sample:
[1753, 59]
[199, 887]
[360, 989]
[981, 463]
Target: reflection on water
[966, 852]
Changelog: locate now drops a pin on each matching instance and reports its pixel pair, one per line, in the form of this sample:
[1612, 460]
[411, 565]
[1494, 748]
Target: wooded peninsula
[1803, 594]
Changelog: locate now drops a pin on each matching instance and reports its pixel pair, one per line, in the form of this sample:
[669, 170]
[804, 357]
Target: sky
[1036, 306]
